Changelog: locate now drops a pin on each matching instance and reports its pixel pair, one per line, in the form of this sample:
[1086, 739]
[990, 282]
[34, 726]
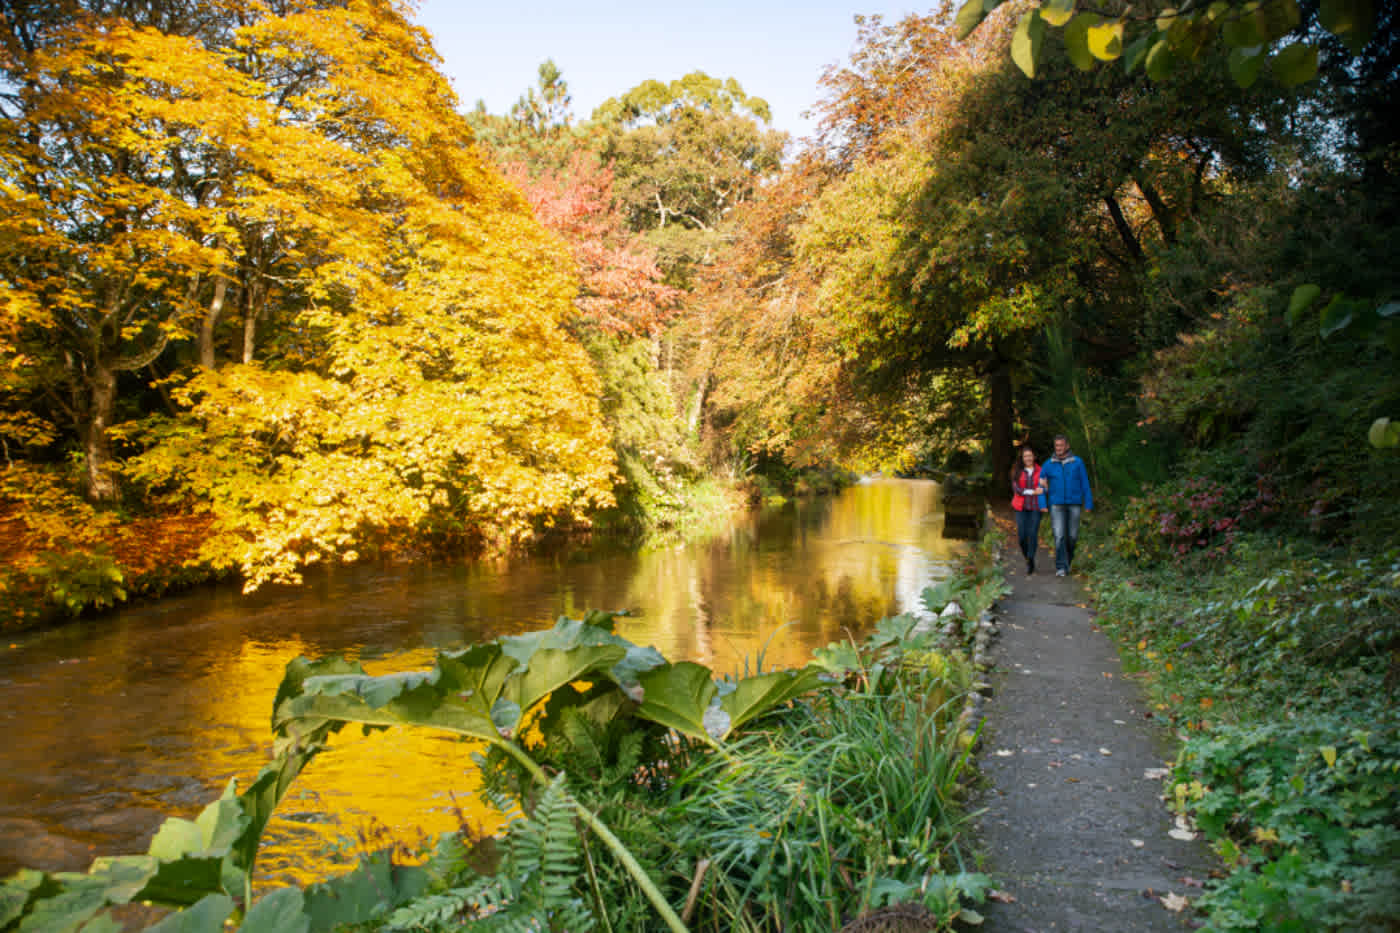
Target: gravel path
[1075, 829]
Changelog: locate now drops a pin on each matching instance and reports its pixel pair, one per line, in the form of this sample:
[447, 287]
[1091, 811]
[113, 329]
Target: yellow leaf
[1106, 40]
[1329, 755]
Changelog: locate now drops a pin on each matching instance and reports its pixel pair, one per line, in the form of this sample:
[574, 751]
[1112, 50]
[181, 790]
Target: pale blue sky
[775, 48]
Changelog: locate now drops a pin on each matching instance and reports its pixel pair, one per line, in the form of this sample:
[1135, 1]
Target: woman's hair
[1020, 463]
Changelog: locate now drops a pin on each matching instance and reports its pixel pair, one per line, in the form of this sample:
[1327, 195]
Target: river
[115, 723]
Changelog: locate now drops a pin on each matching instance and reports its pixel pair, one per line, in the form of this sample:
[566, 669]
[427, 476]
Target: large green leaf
[1026, 42]
[1057, 12]
[1136, 52]
[1302, 298]
[1160, 60]
[637, 660]
[1384, 433]
[1278, 18]
[81, 899]
[376, 886]
[15, 892]
[1245, 65]
[472, 681]
[282, 911]
[679, 696]
[754, 696]
[124, 877]
[568, 634]
[1295, 64]
[1335, 316]
[552, 668]
[299, 670]
[1242, 31]
[970, 16]
[1076, 37]
[838, 658]
[1352, 21]
[207, 916]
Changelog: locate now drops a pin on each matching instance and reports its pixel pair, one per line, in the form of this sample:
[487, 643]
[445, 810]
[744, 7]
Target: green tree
[684, 155]
[1014, 205]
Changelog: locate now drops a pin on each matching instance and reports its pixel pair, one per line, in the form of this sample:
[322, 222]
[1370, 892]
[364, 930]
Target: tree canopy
[401, 351]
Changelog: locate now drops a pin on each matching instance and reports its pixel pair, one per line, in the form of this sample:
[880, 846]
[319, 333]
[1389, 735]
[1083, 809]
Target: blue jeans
[1028, 530]
[1064, 521]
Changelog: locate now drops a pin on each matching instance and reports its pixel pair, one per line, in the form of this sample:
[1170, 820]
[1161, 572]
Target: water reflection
[114, 724]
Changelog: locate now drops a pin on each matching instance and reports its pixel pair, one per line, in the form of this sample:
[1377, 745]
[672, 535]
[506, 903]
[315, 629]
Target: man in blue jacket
[1067, 489]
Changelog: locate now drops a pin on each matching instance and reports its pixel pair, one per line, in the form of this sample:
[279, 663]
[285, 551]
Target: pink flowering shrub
[1189, 516]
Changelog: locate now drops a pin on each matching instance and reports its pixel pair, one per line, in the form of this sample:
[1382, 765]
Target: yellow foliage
[422, 382]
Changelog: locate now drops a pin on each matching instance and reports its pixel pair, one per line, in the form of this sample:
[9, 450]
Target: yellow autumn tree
[397, 366]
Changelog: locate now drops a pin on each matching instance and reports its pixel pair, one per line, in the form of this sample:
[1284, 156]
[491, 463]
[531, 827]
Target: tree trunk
[999, 404]
[1160, 212]
[697, 404]
[250, 321]
[101, 487]
[1125, 230]
[211, 318]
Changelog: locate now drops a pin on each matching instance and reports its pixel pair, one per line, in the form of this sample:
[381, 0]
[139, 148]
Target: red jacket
[1023, 488]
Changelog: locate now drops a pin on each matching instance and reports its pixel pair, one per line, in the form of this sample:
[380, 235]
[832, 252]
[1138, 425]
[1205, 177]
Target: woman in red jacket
[1028, 499]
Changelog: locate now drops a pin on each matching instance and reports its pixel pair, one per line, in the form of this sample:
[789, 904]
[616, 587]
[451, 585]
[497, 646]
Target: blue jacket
[1067, 482]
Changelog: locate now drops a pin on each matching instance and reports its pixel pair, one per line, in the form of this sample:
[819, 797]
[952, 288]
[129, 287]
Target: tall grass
[846, 805]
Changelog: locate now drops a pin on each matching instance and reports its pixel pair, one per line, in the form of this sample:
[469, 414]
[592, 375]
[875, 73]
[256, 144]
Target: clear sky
[776, 49]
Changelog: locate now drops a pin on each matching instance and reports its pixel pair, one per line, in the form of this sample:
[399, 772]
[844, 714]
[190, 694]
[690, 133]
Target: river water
[115, 723]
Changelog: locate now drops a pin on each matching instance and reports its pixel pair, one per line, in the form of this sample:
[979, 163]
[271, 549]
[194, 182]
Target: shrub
[1307, 815]
[1175, 519]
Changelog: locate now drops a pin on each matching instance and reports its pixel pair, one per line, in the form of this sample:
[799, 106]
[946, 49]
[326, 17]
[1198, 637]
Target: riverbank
[62, 557]
[1278, 667]
[833, 798]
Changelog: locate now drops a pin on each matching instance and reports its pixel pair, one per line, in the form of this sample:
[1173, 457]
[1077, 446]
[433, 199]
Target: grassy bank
[1276, 660]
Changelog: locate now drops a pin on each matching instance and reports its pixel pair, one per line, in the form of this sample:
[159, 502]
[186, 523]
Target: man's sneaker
[1059, 573]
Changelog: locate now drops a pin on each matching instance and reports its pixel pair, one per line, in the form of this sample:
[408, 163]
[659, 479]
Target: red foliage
[621, 289]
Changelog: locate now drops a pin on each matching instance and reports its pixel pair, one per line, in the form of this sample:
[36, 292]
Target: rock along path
[1074, 827]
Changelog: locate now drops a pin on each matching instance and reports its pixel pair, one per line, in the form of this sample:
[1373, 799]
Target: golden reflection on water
[148, 714]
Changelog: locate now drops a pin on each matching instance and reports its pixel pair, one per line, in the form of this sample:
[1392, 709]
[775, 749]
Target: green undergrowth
[641, 795]
[1279, 665]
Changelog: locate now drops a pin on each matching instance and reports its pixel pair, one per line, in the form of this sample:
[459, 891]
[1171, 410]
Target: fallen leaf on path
[1192, 882]
[1001, 896]
[1003, 753]
[1104, 751]
[1137, 843]
[1182, 830]
[1156, 774]
[1175, 903]
[1071, 780]
[1108, 675]
[1119, 722]
[1055, 741]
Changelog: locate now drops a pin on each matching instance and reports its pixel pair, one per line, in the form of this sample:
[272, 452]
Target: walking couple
[1060, 487]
